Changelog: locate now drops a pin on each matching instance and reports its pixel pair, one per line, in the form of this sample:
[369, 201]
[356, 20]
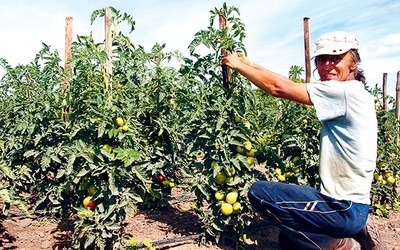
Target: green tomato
[119, 121]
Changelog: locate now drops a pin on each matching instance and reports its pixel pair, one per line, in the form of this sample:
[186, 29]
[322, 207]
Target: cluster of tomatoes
[166, 182]
[283, 176]
[228, 196]
[247, 151]
[91, 189]
[386, 178]
[121, 124]
[229, 201]
[88, 201]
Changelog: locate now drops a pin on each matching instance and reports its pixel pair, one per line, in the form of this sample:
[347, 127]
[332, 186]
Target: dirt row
[173, 227]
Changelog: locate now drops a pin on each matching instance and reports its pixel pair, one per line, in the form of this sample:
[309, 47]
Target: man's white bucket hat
[335, 43]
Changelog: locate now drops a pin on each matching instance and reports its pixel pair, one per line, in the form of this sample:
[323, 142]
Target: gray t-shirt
[348, 138]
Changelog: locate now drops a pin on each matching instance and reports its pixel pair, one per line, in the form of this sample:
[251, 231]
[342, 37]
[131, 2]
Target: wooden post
[67, 59]
[108, 45]
[397, 110]
[398, 96]
[384, 90]
[68, 45]
[225, 69]
[306, 23]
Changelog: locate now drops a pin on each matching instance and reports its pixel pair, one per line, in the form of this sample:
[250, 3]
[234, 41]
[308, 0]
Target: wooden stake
[67, 59]
[108, 45]
[306, 23]
[397, 110]
[225, 69]
[68, 45]
[398, 96]
[384, 90]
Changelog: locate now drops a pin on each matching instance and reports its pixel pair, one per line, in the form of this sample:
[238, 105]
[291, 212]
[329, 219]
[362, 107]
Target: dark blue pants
[310, 219]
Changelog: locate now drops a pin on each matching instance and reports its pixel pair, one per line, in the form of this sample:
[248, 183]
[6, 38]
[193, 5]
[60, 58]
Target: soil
[174, 227]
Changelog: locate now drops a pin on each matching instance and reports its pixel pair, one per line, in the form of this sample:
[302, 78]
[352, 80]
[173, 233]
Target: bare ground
[175, 227]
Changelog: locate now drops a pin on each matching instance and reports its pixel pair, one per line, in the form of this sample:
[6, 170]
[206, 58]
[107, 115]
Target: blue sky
[274, 28]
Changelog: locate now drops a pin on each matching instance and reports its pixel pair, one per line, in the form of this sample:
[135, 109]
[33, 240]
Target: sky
[274, 29]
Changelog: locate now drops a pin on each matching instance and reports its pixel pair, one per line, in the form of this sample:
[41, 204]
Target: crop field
[119, 149]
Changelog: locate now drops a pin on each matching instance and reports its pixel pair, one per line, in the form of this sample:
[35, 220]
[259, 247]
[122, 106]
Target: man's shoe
[369, 239]
[348, 244]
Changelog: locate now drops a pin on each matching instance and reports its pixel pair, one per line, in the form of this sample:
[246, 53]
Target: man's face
[336, 67]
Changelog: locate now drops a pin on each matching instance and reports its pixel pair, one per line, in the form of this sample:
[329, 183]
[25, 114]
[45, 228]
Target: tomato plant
[385, 185]
[146, 93]
[122, 162]
[220, 121]
[290, 145]
[32, 130]
[61, 162]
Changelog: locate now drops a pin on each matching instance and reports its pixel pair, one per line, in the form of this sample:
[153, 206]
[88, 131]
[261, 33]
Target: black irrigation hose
[255, 225]
[3, 216]
[195, 236]
[12, 215]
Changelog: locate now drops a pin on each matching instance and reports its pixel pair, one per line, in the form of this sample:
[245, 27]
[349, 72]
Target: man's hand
[235, 60]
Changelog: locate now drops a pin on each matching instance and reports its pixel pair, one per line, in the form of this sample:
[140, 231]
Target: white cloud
[393, 38]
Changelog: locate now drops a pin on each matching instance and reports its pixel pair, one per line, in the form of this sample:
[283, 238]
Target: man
[330, 216]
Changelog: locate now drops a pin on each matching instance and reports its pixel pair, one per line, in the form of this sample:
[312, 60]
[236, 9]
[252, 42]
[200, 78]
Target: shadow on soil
[63, 234]
[6, 237]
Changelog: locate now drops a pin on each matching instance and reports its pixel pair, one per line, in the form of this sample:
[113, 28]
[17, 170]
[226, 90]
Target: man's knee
[258, 191]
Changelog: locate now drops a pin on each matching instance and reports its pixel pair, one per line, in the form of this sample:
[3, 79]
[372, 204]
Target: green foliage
[388, 156]
[219, 119]
[291, 144]
[122, 163]
[32, 133]
[381, 210]
[229, 37]
[58, 161]
[295, 73]
[7, 194]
